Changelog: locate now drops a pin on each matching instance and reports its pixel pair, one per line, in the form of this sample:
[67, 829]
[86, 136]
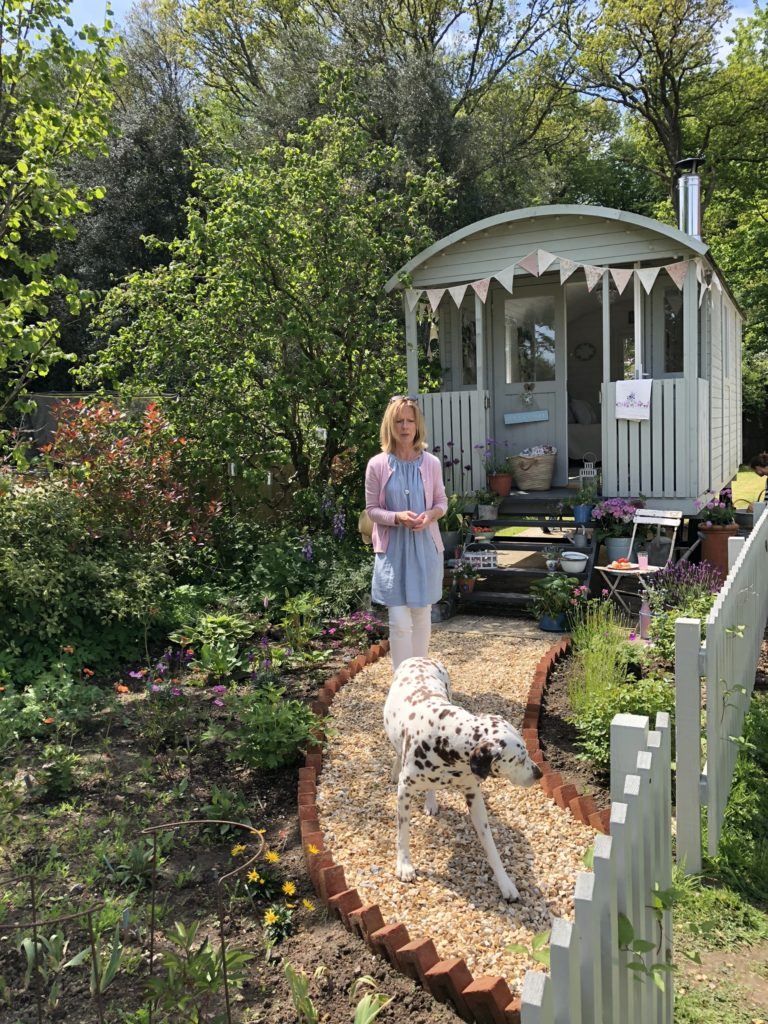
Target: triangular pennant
[457, 293]
[537, 262]
[506, 278]
[567, 267]
[699, 269]
[593, 275]
[435, 295]
[481, 287]
[621, 278]
[648, 277]
[412, 296]
[678, 272]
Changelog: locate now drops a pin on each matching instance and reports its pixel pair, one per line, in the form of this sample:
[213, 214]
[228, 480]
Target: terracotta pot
[714, 544]
[500, 483]
[466, 586]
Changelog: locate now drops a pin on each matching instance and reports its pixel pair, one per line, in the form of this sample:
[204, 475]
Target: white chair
[661, 550]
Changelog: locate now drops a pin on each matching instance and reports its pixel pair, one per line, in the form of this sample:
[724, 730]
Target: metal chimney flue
[689, 195]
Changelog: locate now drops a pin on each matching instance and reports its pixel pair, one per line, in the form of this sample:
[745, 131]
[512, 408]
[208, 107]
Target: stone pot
[451, 540]
[487, 511]
[500, 483]
[617, 547]
[714, 544]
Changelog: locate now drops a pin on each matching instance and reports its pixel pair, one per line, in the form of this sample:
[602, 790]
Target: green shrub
[663, 625]
[53, 704]
[271, 731]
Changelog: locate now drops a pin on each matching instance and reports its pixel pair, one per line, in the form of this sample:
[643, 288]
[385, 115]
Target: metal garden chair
[663, 520]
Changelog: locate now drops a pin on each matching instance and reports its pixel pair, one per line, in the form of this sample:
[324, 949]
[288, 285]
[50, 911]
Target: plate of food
[622, 563]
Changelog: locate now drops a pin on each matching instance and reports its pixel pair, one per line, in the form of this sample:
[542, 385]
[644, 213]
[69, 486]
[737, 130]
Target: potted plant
[453, 522]
[487, 504]
[496, 456]
[551, 554]
[583, 502]
[553, 598]
[465, 575]
[717, 522]
[613, 518]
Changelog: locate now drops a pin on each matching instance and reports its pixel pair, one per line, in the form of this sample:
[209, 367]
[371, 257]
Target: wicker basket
[535, 473]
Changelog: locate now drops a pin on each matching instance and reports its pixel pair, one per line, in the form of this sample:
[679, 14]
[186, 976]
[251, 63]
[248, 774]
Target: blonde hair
[387, 429]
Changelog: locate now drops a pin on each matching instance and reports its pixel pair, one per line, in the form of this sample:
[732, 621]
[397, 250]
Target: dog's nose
[537, 773]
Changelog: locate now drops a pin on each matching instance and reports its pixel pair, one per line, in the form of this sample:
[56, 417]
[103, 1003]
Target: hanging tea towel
[633, 399]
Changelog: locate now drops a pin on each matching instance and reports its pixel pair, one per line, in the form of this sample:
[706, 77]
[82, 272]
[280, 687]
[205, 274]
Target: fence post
[588, 928]
[628, 737]
[536, 999]
[564, 959]
[688, 744]
[604, 868]
[735, 544]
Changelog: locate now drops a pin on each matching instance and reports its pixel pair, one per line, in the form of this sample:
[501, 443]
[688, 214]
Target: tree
[656, 59]
[55, 100]
[270, 321]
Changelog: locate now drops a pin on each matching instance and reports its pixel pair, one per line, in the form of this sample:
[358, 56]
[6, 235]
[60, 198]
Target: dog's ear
[482, 757]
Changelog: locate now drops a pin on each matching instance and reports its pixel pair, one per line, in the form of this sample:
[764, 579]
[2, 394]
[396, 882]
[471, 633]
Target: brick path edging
[483, 1000]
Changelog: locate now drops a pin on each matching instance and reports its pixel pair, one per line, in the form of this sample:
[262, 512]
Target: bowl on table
[573, 561]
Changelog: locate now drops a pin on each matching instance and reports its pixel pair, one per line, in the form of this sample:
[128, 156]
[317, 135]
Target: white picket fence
[457, 426]
[589, 981]
[727, 661]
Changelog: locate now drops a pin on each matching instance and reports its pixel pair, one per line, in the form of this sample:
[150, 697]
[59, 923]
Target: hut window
[529, 340]
[673, 331]
[468, 344]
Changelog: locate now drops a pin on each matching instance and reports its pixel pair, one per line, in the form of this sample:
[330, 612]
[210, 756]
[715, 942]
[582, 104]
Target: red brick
[307, 807]
[388, 940]
[540, 675]
[308, 825]
[550, 781]
[601, 820]
[581, 808]
[343, 675]
[416, 957]
[512, 1012]
[488, 998]
[531, 721]
[446, 980]
[315, 839]
[326, 695]
[333, 684]
[343, 903]
[314, 758]
[365, 920]
[307, 773]
[319, 708]
[331, 881]
[316, 865]
[308, 786]
[376, 650]
[530, 733]
[384, 644]
[536, 692]
[362, 661]
[537, 757]
[564, 794]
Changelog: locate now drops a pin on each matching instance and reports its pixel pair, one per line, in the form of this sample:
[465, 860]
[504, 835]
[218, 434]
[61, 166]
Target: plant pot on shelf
[714, 544]
[582, 514]
[487, 511]
[500, 483]
[451, 540]
[467, 586]
[554, 623]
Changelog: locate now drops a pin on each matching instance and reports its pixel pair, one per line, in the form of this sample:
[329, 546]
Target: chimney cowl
[689, 195]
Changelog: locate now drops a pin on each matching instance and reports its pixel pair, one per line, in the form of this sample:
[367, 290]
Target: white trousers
[409, 632]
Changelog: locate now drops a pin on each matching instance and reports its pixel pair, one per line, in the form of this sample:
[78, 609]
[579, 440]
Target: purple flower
[175, 691]
[339, 524]
[155, 689]
[306, 551]
[633, 636]
[219, 689]
[219, 703]
[139, 674]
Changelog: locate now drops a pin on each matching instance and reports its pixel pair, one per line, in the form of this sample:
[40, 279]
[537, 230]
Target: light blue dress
[410, 571]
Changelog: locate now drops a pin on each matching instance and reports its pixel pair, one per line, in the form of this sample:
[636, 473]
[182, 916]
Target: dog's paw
[406, 872]
[509, 890]
[430, 803]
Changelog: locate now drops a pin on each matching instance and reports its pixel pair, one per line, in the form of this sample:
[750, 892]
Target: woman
[405, 496]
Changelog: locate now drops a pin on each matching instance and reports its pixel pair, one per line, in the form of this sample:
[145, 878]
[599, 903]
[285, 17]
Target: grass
[747, 486]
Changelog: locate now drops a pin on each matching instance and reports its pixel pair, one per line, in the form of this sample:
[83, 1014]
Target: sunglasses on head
[403, 398]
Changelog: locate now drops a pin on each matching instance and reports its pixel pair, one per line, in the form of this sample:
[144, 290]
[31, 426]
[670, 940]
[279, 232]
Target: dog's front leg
[479, 818]
[405, 871]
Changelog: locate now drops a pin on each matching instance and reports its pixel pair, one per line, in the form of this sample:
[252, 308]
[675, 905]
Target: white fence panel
[589, 979]
[456, 425]
[728, 661]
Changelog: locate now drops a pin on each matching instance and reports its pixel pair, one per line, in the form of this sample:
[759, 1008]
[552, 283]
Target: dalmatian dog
[438, 743]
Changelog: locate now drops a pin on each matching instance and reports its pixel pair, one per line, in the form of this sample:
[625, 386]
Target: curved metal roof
[540, 212]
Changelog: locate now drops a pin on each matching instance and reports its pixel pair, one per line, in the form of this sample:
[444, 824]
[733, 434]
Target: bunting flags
[538, 261]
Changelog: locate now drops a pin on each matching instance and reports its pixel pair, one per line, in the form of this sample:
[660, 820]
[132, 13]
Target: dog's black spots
[476, 734]
[444, 752]
[470, 798]
[411, 716]
[481, 760]
[419, 764]
[419, 752]
[429, 764]
[503, 744]
[446, 713]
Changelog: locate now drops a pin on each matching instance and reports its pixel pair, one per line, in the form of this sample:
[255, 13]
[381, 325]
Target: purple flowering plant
[613, 517]
[718, 509]
[679, 583]
[495, 455]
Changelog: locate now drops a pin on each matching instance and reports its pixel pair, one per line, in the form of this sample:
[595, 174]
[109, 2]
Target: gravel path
[454, 900]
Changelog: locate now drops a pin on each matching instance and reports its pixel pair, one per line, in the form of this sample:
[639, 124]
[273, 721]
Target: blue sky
[83, 11]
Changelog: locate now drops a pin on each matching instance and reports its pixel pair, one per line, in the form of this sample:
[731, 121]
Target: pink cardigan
[376, 476]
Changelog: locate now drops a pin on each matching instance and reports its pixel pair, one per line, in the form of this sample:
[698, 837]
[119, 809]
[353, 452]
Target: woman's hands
[413, 521]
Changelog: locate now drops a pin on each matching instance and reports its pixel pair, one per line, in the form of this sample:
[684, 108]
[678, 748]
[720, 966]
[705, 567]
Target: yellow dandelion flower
[272, 856]
[254, 876]
[258, 831]
[308, 904]
[312, 848]
[270, 917]
[290, 906]
[289, 888]
[238, 848]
